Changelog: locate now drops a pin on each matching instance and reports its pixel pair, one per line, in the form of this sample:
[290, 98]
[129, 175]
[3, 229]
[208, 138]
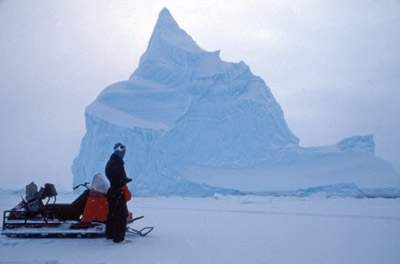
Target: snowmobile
[85, 217]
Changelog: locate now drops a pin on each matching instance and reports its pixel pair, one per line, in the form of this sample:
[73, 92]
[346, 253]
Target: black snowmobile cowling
[84, 217]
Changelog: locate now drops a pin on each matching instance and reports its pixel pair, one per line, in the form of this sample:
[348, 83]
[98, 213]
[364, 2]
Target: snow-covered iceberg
[197, 125]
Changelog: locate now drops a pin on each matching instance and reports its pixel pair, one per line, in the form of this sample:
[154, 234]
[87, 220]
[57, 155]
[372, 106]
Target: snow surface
[232, 229]
[195, 125]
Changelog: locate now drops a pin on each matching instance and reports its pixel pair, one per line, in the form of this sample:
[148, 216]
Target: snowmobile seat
[71, 211]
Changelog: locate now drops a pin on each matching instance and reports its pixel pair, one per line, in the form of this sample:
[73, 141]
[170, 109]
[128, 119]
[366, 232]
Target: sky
[333, 66]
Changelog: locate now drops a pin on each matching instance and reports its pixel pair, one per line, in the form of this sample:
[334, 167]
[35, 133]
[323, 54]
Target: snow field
[232, 229]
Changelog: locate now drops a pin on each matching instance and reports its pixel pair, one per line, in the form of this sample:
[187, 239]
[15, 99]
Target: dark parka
[115, 172]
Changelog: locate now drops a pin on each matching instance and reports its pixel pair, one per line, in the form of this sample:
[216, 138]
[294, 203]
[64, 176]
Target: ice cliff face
[196, 125]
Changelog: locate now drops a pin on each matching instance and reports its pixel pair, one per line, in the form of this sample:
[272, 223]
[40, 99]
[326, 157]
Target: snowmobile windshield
[99, 184]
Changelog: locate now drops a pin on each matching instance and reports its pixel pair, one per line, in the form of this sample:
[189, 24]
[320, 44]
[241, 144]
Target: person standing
[117, 195]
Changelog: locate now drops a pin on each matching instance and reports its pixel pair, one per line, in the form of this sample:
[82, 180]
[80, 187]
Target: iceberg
[195, 125]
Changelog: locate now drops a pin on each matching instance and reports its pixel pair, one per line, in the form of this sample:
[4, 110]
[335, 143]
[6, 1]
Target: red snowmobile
[84, 217]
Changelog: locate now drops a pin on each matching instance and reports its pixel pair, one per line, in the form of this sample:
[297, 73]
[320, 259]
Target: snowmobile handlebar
[82, 184]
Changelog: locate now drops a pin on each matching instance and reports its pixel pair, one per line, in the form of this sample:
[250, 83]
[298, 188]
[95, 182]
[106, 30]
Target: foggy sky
[333, 66]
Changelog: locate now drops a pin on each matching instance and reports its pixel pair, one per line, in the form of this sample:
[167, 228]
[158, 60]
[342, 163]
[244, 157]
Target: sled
[84, 218]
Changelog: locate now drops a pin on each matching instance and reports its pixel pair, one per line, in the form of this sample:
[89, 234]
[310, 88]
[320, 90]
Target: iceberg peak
[165, 18]
[168, 33]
